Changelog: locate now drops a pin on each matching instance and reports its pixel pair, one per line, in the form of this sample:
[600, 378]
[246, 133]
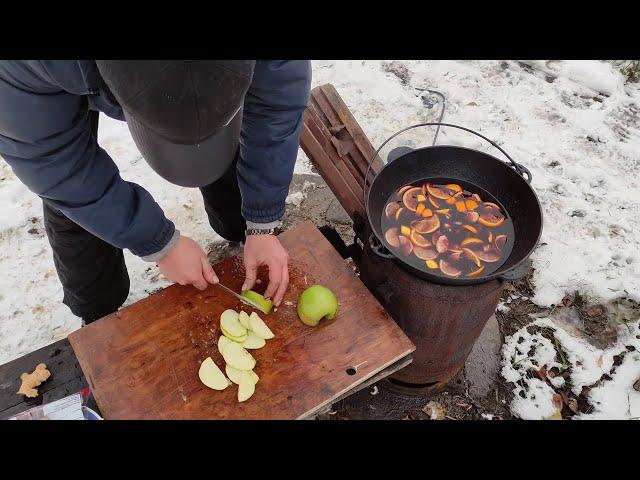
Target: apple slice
[243, 318]
[253, 342]
[259, 327]
[246, 387]
[223, 341]
[211, 375]
[229, 323]
[232, 337]
[236, 356]
[235, 375]
[258, 300]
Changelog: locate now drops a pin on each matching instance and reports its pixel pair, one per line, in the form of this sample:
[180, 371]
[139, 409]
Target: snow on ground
[614, 398]
[575, 125]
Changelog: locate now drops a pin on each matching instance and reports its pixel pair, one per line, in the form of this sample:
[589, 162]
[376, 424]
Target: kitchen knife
[239, 297]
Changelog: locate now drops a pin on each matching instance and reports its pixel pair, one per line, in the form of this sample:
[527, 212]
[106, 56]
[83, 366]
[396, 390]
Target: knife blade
[239, 297]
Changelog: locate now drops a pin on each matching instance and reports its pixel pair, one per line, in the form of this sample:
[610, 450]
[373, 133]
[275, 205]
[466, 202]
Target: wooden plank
[340, 188]
[333, 170]
[142, 361]
[66, 378]
[390, 370]
[349, 171]
[349, 121]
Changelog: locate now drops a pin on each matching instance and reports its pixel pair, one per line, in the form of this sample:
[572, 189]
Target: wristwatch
[263, 231]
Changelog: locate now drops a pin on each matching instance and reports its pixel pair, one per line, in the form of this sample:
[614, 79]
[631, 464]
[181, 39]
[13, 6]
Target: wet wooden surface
[142, 362]
[66, 378]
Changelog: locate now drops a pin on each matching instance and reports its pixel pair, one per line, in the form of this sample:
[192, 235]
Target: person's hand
[266, 250]
[187, 264]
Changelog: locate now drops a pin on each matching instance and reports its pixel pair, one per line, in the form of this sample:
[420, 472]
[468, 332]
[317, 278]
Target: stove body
[443, 321]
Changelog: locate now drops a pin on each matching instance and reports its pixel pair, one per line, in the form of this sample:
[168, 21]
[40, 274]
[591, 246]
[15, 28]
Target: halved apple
[448, 269]
[402, 191]
[391, 236]
[442, 245]
[211, 375]
[259, 327]
[391, 209]
[399, 213]
[472, 217]
[425, 253]
[246, 387]
[406, 247]
[253, 342]
[236, 356]
[491, 255]
[500, 242]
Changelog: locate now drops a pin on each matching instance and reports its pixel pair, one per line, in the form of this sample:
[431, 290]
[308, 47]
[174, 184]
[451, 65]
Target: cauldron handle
[521, 169]
[378, 248]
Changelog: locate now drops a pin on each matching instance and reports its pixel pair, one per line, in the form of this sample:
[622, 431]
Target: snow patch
[524, 352]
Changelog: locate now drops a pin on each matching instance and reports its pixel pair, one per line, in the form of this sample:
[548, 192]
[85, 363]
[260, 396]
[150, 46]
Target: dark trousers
[93, 273]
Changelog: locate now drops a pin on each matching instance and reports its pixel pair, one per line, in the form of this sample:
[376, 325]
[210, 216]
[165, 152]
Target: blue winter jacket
[45, 136]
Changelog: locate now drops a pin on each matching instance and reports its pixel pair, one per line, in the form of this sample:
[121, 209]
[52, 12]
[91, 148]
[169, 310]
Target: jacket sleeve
[45, 136]
[272, 121]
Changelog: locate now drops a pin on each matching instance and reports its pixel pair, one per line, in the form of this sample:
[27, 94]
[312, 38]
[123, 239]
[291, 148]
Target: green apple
[315, 303]
[258, 300]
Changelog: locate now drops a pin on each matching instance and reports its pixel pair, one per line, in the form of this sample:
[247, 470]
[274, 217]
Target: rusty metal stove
[443, 321]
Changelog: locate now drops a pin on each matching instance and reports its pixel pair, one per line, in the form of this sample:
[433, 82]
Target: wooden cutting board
[142, 361]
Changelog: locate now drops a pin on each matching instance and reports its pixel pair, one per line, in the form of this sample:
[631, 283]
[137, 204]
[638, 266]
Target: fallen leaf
[542, 373]
[557, 401]
[573, 405]
[595, 311]
[435, 410]
[599, 361]
[567, 301]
